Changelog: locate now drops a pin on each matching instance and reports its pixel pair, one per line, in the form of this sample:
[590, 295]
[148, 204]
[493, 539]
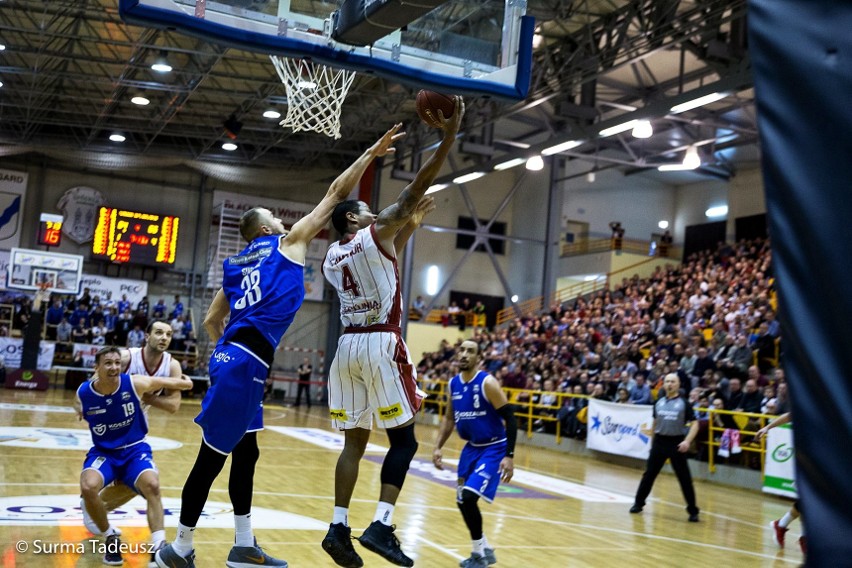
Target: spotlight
[161, 64]
[271, 113]
[116, 137]
[535, 164]
[643, 129]
[140, 100]
[229, 146]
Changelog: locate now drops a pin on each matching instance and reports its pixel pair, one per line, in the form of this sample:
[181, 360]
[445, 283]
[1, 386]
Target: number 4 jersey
[264, 289]
[366, 279]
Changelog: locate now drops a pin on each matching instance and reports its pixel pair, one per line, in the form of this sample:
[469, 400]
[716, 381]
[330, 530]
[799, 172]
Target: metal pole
[554, 215]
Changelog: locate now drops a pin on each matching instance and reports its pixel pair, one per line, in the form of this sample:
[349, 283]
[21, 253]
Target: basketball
[429, 103]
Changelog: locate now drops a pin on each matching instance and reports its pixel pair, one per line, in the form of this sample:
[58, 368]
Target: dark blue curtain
[802, 57]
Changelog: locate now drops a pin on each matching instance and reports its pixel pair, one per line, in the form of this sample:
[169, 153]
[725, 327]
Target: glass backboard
[466, 47]
[31, 269]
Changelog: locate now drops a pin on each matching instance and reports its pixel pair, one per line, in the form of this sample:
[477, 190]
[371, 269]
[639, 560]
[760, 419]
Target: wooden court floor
[535, 524]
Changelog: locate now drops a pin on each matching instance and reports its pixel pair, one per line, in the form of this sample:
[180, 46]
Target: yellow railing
[530, 413]
[633, 246]
[536, 305]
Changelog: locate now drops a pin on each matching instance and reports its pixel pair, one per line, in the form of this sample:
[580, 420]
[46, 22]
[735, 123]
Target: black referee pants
[663, 448]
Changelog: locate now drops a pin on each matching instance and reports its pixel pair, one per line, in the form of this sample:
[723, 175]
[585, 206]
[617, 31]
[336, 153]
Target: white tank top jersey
[366, 279]
[137, 366]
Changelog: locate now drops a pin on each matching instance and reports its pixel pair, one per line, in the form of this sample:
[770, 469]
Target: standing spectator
[123, 327]
[479, 316]
[672, 416]
[142, 306]
[99, 332]
[617, 235]
[80, 334]
[159, 312]
[63, 335]
[455, 314]
[178, 333]
[54, 316]
[666, 241]
[108, 302]
[462, 317]
[177, 307]
[305, 370]
[141, 319]
[123, 304]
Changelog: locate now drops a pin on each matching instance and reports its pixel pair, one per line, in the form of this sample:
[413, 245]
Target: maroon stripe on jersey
[375, 327]
[395, 314]
[406, 375]
[379, 244]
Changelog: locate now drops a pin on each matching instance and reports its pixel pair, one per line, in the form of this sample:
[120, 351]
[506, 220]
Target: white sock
[785, 520]
[479, 546]
[341, 516]
[484, 542]
[242, 525]
[384, 513]
[183, 540]
[110, 531]
[157, 537]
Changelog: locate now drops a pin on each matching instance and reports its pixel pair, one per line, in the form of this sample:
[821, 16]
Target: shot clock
[50, 230]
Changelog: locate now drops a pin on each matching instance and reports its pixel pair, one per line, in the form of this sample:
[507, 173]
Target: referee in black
[672, 414]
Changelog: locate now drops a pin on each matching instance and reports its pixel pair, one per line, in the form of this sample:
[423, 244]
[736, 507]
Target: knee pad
[403, 446]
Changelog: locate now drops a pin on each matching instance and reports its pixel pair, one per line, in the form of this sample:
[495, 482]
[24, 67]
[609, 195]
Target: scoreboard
[123, 236]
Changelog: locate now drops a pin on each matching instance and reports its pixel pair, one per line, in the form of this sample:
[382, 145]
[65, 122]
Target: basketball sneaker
[338, 544]
[166, 557]
[488, 554]
[379, 538]
[778, 533]
[89, 523]
[112, 556]
[474, 561]
[249, 556]
[158, 546]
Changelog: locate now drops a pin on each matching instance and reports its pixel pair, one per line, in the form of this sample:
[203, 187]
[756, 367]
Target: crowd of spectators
[710, 320]
[105, 321]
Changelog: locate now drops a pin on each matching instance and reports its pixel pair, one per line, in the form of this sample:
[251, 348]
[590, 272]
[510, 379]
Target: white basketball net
[315, 94]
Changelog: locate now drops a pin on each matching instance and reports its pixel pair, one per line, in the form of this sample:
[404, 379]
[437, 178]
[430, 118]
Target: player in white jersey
[372, 371]
[152, 360]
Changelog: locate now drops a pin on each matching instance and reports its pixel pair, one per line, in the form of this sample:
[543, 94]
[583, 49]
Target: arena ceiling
[70, 69]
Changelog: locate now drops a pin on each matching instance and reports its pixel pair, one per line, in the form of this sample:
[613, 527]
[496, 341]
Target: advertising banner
[11, 349]
[102, 285]
[622, 429]
[13, 191]
[780, 472]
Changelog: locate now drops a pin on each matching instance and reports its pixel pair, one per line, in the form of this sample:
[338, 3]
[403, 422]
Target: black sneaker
[338, 544]
[636, 509]
[379, 538]
[112, 556]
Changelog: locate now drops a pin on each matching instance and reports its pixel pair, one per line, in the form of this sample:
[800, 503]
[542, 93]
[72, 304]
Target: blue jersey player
[484, 418]
[111, 404]
[262, 289]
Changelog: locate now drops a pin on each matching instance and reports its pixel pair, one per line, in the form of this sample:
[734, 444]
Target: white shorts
[372, 373]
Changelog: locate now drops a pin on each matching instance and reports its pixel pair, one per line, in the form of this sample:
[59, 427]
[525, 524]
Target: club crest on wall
[79, 206]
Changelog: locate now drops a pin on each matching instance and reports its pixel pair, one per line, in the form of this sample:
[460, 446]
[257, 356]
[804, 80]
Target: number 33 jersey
[366, 279]
[264, 289]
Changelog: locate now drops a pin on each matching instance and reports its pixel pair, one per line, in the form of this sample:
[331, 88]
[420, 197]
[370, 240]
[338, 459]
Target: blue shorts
[479, 467]
[233, 404]
[124, 465]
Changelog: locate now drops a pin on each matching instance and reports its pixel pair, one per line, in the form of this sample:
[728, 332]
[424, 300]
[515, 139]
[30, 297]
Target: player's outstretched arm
[214, 321]
[783, 419]
[445, 430]
[296, 242]
[393, 217]
[144, 383]
[426, 206]
[168, 400]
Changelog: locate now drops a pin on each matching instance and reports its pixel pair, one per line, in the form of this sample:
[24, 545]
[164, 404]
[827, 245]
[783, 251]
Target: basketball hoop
[315, 94]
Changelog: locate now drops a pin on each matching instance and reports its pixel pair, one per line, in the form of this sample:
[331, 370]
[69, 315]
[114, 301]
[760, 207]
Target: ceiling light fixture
[663, 225]
[535, 164]
[692, 160]
[161, 64]
[674, 168]
[717, 211]
[700, 101]
[2, 47]
[116, 137]
[271, 113]
[140, 100]
[618, 128]
[468, 177]
[643, 129]
[306, 85]
[437, 187]
[509, 164]
[590, 177]
[562, 147]
[229, 146]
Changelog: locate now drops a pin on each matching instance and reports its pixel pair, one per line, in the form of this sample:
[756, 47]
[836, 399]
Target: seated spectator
[767, 400]
[98, 333]
[734, 395]
[136, 337]
[177, 308]
[142, 306]
[622, 396]
[641, 393]
[750, 401]
[141, 320]
[418, 308]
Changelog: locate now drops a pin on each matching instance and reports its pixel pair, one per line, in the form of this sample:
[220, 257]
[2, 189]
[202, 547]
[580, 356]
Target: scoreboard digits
[141, 238]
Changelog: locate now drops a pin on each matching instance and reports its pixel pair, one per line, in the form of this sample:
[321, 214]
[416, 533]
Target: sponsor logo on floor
[51, 510]
[64, 439]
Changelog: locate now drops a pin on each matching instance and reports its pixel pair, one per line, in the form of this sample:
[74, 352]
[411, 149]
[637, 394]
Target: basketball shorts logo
[337, 414]
[98, 462]
[390, 412]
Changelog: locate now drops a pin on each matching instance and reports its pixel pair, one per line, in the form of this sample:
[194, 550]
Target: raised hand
[451, 125]
[424, 207]
[384, 145]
